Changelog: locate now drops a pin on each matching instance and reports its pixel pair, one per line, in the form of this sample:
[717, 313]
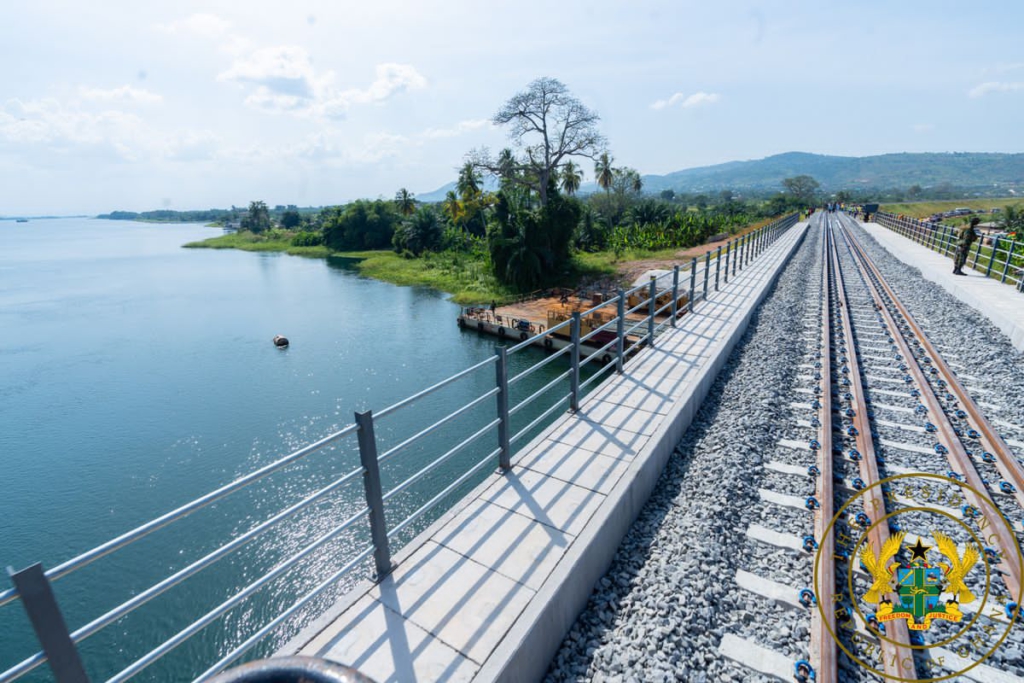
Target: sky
[187, 105]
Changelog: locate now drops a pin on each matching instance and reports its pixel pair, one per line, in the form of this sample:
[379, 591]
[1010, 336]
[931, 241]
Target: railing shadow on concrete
[59, 645]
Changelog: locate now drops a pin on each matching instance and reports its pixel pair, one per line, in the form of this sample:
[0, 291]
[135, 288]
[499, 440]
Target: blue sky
[143, 105]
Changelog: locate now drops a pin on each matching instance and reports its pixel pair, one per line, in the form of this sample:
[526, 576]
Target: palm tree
[572, 176]
[405, 202]
[468, 184]
[604, 174]
[636, 183]
[506, 164]
[452, 208]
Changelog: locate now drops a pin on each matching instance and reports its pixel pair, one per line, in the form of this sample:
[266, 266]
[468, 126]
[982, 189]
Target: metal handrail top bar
[149, 527]
[444, 420]
[205, 620]
[431, 389]
[440, 461]
[284, 616]
[444, 492]
[588, 335]
[522, 432]
[535, 395]
[537, 366]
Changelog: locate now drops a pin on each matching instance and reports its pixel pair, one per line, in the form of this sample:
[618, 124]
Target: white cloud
[206, 25]
[48, 126]
[458, 129]
[994, 86]
[126, 94]
[325, 146]
[686, 101]
[285, 81]
[283, 70]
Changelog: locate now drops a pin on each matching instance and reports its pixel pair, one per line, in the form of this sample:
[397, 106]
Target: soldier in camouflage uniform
[965, 238]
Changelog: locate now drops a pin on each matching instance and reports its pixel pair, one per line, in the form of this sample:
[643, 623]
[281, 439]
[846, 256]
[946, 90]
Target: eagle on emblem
[958, 567]
[878, 566]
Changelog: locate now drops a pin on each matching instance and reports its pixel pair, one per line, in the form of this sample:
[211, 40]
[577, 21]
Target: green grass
[925, 209]
[466, 276]
[246, 241]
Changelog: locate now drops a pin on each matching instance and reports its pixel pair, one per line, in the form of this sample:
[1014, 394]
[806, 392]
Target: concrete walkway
[999, 302]
[489, 590]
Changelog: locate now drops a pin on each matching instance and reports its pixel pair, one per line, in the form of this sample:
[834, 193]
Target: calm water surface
[136, 375]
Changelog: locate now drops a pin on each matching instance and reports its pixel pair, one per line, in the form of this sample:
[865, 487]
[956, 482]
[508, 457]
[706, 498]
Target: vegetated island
[534, 231]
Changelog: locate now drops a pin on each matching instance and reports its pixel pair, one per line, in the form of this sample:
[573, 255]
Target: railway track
[898, 454]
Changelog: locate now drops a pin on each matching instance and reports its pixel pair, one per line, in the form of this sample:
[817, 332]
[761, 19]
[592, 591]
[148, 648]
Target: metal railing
[661, 297]
[1000, 258]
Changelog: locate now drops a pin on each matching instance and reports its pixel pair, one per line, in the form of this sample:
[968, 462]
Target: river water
[136, 375]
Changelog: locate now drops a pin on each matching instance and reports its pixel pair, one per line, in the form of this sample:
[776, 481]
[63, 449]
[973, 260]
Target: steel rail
[823, 645]
[898, 658]
[540, 392]
[956, 454]
[1006, 461]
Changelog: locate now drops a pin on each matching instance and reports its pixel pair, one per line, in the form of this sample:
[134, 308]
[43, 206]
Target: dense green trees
[257, 218]
[291, 219]
[803, 187]
[419, 233]
[363, 224]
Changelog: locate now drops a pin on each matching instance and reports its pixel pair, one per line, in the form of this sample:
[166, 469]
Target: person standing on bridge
[965, 238]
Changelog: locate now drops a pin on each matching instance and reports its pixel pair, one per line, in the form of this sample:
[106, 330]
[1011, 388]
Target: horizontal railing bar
[532, 397]
[281, 618]
[445, 492]
[440, 461]
[595, 376]
[630, 331]
[205, 620]
[537, 366]
[599, 351]
[431, 389]
[661, 310]
[440, 423]
[638, 306]
[173, 580]
[524, 343]
[594, 331]
[537, 421]
[138, 532]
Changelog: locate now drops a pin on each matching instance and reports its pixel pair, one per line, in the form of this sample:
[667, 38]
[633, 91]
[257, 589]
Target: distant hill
[961, 169]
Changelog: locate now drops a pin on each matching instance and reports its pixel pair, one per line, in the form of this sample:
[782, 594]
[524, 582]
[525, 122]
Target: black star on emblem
[918, 551]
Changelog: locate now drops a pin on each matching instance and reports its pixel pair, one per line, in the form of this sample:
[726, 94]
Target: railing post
[977, 253]
[620, 348]
[574, 355]
[1006, 263]
[653, 307]
[374, 493]
[504, 428]
[992, 256]
[729, 247]
[48, 623]
[718, 266]
[675, 294]
[693, 283]
[707, 273]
